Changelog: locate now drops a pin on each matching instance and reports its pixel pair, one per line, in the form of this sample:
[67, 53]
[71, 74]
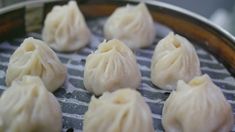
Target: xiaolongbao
[131, 24]
[198, 106]
[34, 57]
[121, 111]
[111, 67]
[27, 106]
[65, 28]
[174, 59]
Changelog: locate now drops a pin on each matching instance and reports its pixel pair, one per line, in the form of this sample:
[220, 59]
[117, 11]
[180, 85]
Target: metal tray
[215, 48]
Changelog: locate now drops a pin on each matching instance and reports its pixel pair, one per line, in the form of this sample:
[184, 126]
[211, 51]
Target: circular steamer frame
[20, 19]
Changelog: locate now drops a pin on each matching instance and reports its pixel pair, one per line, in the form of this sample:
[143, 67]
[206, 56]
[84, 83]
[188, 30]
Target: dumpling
[131, 24]
[27, 106]
[65, 28]
[198, 106]
[174, 59]
[34, 57]
[121, 111]
[111, 67]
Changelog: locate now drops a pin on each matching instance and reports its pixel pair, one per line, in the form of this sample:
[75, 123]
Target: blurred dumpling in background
[174, 59]
[131, 24]
[121, 111]
[27, 106]
[65, 28]
[198, 106]
[34, 57]
[111, 67]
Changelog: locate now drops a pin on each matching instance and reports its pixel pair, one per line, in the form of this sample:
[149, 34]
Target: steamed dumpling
[27, 106]
[131, 24]
[34, 57]
[111, 67]
[121, 111]
[174, 59]
[198, 106]
[65, 28]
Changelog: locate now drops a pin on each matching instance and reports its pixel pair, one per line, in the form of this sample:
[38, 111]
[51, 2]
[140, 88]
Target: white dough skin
[65, 28]
[131, 24]
[121, 111]
[112, 66]
[27, 106]
[34, 57]
[174, 59]
[198, 106]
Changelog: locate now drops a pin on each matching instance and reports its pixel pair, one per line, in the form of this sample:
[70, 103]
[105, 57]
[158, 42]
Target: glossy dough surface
[121, 111]
[27, 106]
[111, 67]
[65, 28]
[174, 59]
[131, 24]
[34, 57]
[198, 106]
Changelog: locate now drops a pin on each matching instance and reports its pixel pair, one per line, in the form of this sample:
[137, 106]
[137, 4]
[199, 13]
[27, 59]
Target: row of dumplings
[27, 106]
[112, 71]
[66, 30]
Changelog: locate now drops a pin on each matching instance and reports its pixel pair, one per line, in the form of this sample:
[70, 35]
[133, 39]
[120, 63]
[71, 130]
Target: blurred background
[221, 12]
[203, 7]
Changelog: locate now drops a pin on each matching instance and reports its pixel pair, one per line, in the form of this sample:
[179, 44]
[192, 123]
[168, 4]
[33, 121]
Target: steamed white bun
[111, 67]
[131, 24]
[34, 57]
[121, 111]
[65, 28]
[174, 59]
[27, 106]
[198, 106]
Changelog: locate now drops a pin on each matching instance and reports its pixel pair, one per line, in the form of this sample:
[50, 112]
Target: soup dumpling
[131, 24]
[27, 106]
[34, 57]
[112, 66]
[197, 106]
[65, 28]
[174, 59]
[121, 111]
